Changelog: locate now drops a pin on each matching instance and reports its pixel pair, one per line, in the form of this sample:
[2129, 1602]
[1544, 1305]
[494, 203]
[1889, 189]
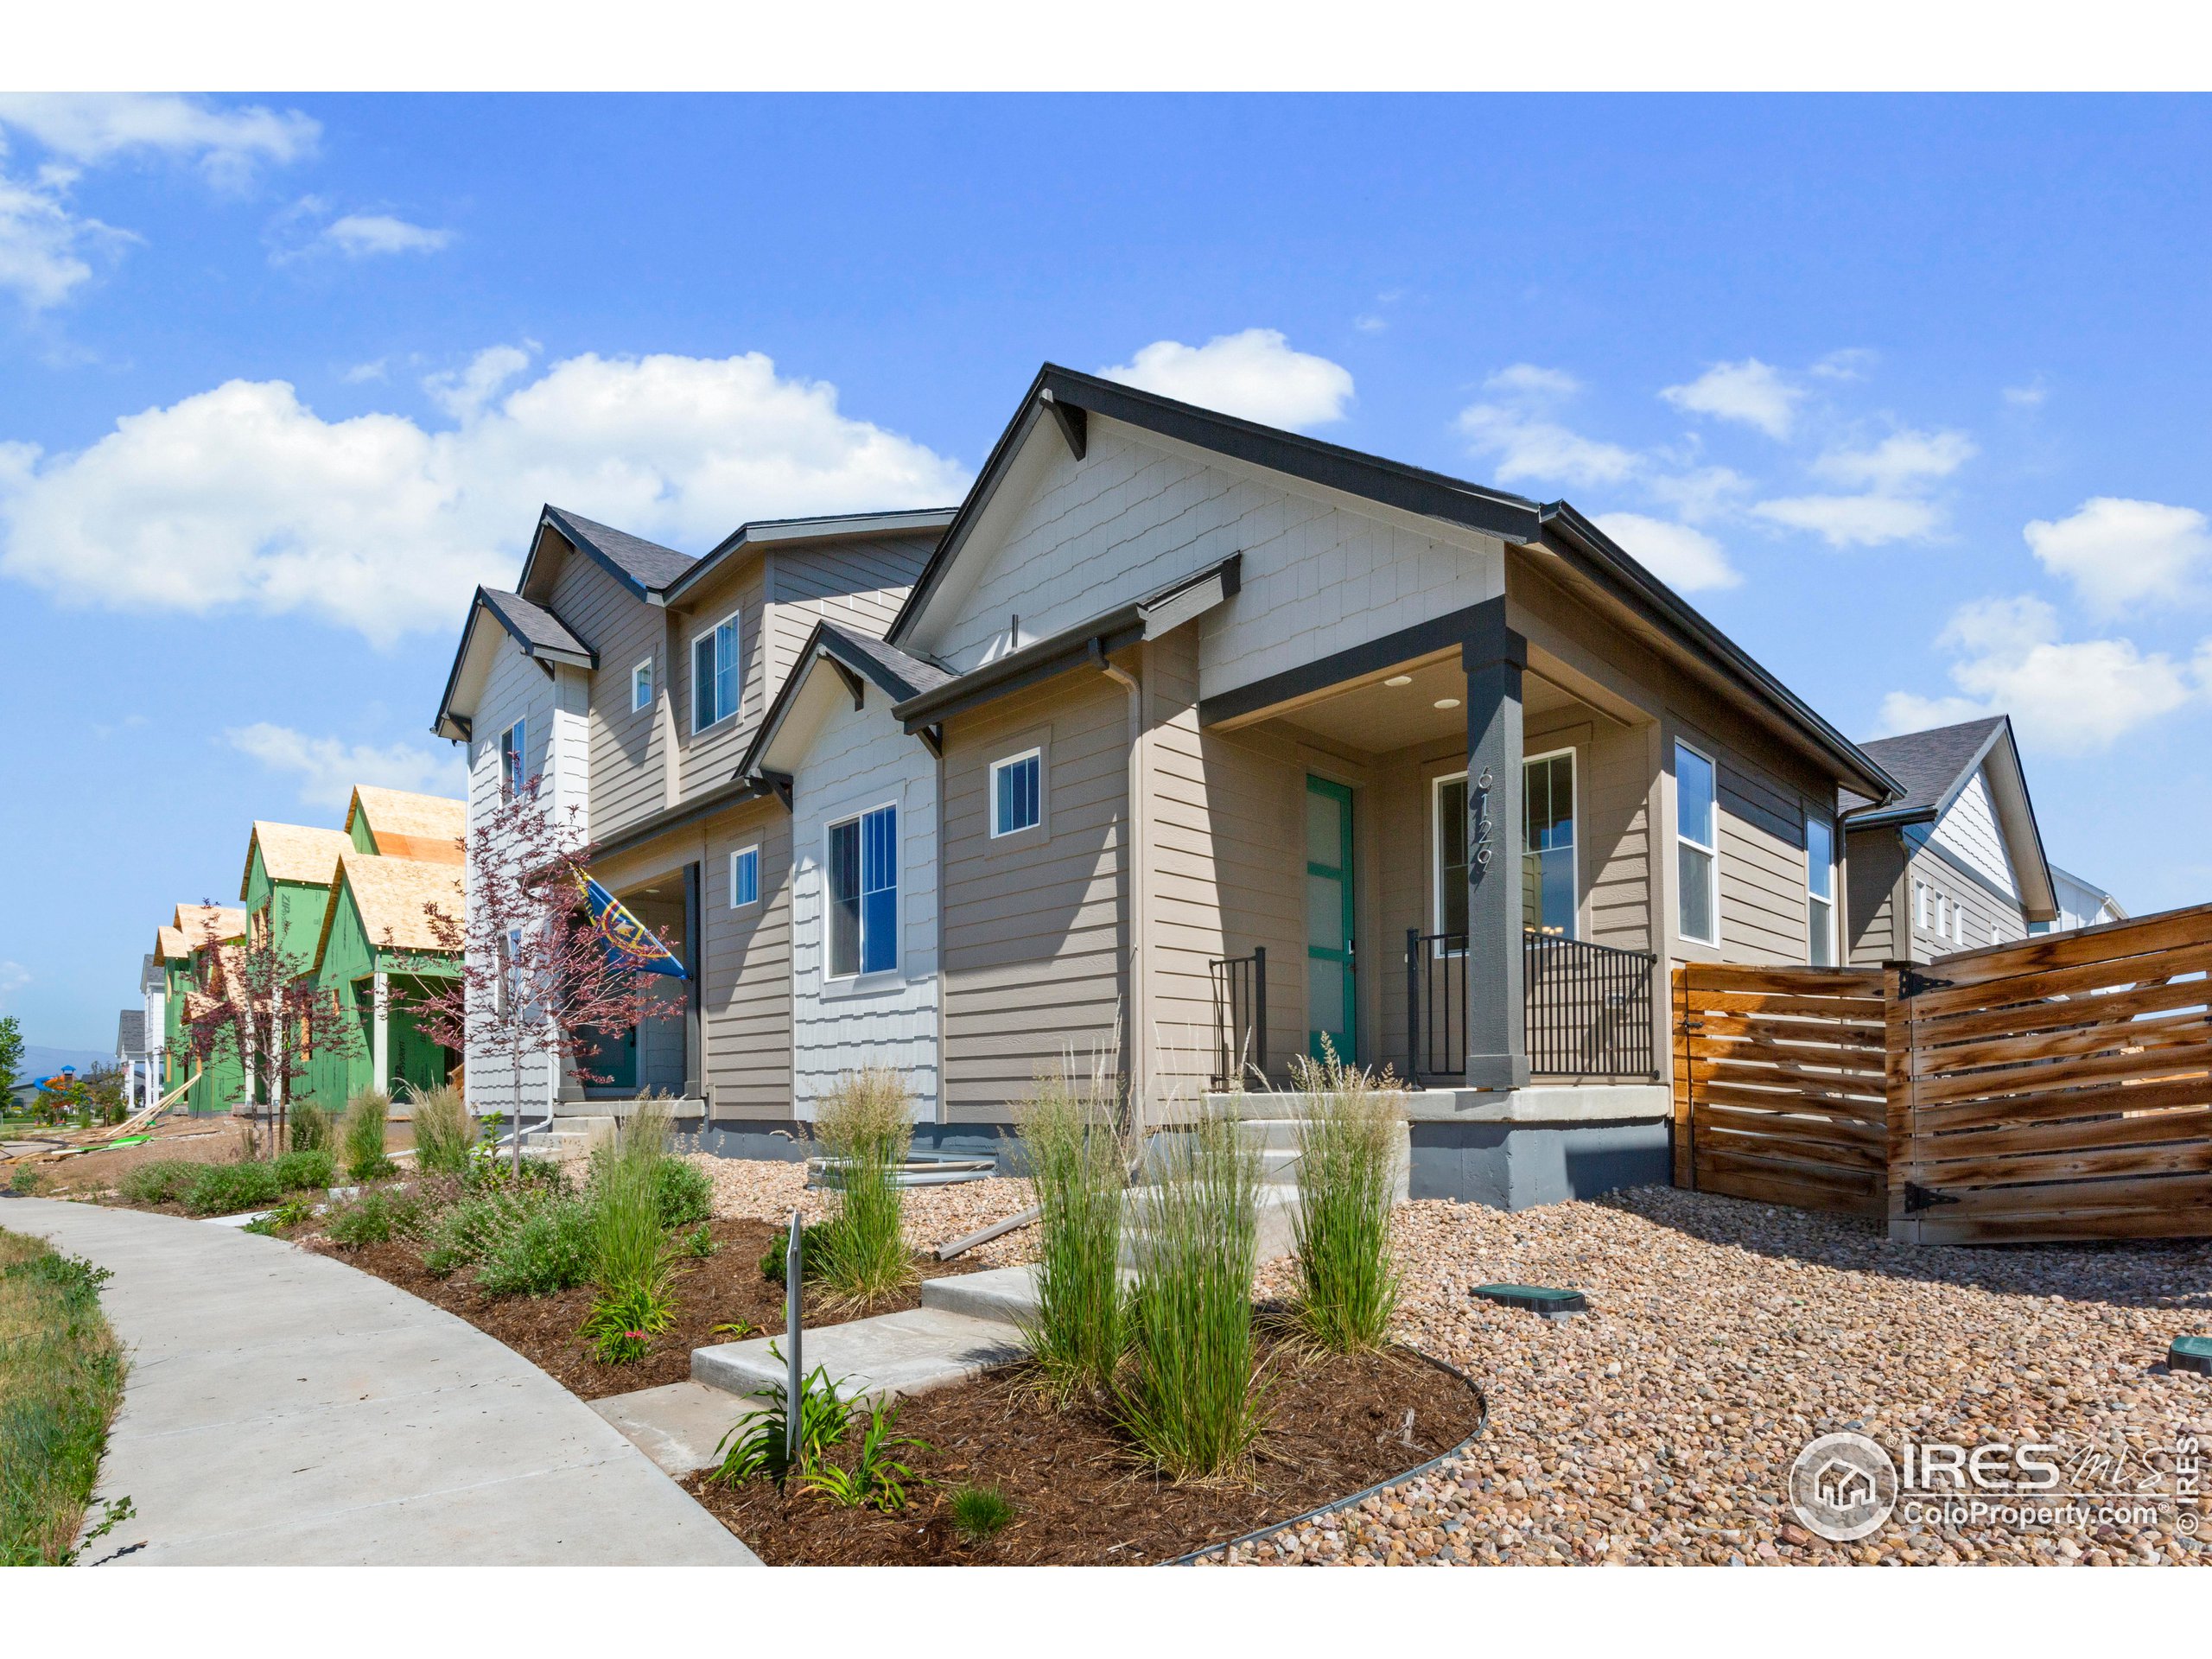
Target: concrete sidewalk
[283, 1409]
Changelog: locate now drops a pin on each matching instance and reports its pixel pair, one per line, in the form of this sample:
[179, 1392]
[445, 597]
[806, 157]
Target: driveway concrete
[283, 1409]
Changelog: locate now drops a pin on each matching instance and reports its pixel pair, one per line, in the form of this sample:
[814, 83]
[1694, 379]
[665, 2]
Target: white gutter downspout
[1135, 856]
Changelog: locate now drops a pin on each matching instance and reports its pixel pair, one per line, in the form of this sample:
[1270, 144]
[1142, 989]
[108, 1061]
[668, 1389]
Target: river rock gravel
[1724, 1335]
[765, 1190]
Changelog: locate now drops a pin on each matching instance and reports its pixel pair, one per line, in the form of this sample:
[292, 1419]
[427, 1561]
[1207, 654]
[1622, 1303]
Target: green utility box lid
[1535, 1297]
[2191, 1354]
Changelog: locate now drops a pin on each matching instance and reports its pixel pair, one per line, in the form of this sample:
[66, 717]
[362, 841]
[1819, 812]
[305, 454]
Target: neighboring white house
[2081, 904]
[865, 982]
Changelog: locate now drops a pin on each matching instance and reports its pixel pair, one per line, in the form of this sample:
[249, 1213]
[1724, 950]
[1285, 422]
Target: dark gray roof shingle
[533, 623]
[915, 674]
[131, 1032]
[1928, 764]
[651, 566]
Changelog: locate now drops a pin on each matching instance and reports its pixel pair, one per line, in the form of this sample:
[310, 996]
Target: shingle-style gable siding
[861, 759]
[1969, 833]
[1319, 575]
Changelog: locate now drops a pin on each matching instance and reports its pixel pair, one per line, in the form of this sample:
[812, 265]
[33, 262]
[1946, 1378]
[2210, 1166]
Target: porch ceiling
[1375, 715]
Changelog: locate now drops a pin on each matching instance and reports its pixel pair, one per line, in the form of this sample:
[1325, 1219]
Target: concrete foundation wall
[1518, 1165]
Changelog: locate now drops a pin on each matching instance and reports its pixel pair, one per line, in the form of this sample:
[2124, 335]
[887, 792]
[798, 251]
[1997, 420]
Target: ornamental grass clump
[445, 1131]
[309, 1129]
[866, 1127]
[360, 1136]
[1190, 1396]
[225, 1189]
[631, 1265]
[1078, 1164]
[1348, 1152]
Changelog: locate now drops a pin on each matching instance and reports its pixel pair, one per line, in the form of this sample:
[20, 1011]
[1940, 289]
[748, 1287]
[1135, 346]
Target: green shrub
[272, 1223]
[980, 1513]
[360, 1136]
[682, 1191]
[1347, 1183]
[1191, 1401]
[307, 1166]
[225, 1189]
[310, 1130]
[377, 1218]
[551, 1251]
[866, 1127]
[755, 1445]
[445, 1133]
[463, 1234]
[164, 1180]
[771, 1260]
[25, 1178]
[877, 1480]
[1077, 1165]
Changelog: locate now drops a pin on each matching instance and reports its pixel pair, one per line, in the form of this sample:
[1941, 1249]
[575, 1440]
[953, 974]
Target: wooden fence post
[1898, 1090]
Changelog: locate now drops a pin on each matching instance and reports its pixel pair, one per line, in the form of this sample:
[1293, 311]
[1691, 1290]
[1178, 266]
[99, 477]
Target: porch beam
[1494, 657]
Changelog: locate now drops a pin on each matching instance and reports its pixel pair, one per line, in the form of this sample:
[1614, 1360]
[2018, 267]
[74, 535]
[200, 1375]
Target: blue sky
[1908, 394]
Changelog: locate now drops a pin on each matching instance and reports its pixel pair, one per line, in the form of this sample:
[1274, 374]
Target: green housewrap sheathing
[374, 922]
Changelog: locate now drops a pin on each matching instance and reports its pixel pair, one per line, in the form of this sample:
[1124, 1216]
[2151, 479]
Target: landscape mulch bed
[1336, 1425]
[720, 1289]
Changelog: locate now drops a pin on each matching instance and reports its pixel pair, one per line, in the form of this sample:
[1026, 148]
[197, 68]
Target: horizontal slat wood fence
[1778, 1085]
[2056, 1089]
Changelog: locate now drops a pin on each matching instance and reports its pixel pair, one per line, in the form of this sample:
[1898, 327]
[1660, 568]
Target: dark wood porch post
[1498, 1045]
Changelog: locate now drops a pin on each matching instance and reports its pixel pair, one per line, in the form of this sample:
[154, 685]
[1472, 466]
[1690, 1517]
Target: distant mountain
[39, 1061]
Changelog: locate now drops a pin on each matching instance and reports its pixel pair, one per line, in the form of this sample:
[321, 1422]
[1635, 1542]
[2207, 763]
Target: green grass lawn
[61, 1383]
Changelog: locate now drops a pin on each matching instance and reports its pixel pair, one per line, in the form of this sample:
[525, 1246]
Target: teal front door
[1330, 1002]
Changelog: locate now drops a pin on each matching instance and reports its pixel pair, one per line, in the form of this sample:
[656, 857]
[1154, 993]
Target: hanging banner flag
[630, 944]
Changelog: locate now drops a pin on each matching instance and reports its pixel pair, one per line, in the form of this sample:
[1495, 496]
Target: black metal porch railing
[1587, 1007]
[1240, 1017]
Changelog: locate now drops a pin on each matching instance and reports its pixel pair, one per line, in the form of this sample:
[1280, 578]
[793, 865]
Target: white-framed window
[1920, 904]
[511, 973]
[1547, 871]
[514, 759]
[744, 877]
[863, 891]
[1017, 793]
[714, 673]
[641, 685]
[1993, 939]
[1959, 924]
[1819, 891]
[1697, 844]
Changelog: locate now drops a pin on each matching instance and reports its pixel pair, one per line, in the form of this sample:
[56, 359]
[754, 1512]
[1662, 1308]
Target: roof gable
[400, 823]
[835, 664]
[1951, 769]
[294, 852]
[536, 632]
[389, 899]
[647, 569]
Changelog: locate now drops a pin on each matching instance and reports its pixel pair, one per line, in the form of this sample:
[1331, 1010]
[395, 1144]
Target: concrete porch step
[908, 1352]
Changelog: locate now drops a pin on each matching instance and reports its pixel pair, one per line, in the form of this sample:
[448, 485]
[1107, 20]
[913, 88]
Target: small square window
[1017, 801]
[641, 685]
[745, 877]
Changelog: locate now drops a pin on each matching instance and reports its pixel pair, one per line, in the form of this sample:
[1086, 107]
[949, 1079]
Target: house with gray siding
[1248, 746]
[2081, 904]
[1955, 860]
[624, 681]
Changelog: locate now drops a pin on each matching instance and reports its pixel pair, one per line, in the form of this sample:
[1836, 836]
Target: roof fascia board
[2016, 815]
[1589, 551]
[1149, 618]
[773, 531]
[965, 518]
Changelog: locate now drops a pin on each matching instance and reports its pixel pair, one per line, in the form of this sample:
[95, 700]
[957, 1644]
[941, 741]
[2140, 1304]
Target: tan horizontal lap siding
[1032, 930]
[1613, 828]
[625, 748]
[748, 988]
[710, 757]
[860, 583]
[1762, 864]
[1874, 858]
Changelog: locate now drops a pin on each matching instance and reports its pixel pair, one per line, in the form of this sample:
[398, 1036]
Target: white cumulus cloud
[360, 236]
[1904, 461]
[47, 249]
[327, 768]
[1255, 375]
[2072, 697]
[1687, 559]
[1520, 428]
[244, 496]
[2118, 552]
[1855, 520]
[1750, 392]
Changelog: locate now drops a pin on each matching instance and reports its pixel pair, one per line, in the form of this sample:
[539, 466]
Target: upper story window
[1017, 797]
[744, 877]
[641, 685]
[1697, 844]
[713, 675]
[1819, 891]
[863, 883]
[514, 759]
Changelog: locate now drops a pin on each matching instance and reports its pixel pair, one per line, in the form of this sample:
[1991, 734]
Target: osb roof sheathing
[407, 825]
[390, 893]
[293, 852]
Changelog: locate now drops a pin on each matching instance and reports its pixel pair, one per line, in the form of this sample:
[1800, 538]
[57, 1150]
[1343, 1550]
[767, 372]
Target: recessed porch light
[1447, 703]
[1399, 679]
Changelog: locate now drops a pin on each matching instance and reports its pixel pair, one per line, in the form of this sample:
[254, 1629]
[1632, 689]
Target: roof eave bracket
[1074, 421]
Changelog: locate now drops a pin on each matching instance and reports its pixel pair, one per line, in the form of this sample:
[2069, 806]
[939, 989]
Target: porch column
[1497, 1047]
[380, 1035]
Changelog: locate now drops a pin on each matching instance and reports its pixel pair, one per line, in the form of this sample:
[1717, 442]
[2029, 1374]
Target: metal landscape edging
[1482, 1421]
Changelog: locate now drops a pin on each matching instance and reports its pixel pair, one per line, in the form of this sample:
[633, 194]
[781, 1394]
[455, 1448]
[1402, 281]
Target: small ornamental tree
[11, 1057]
[536, 978]
[257, 1009]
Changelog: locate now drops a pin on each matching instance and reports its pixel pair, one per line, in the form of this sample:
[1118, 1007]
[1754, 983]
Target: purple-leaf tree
[536, 986]
[258, 1007]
